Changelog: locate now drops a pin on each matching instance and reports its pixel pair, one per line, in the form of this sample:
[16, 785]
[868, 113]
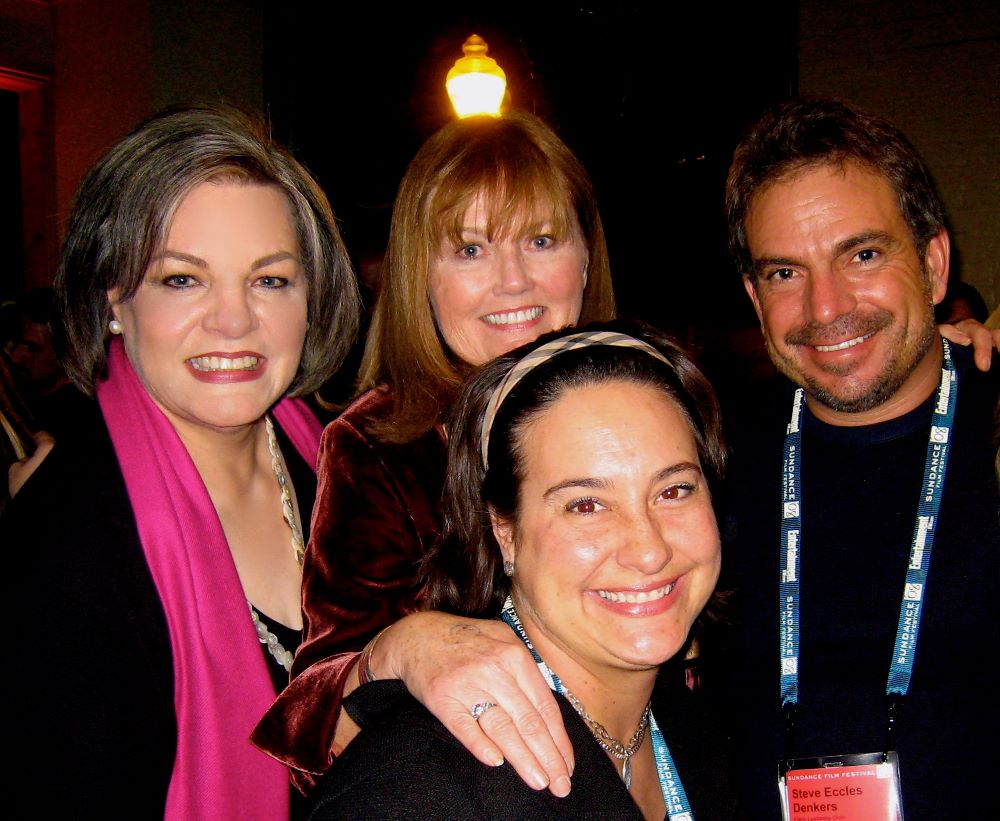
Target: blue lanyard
[674, 797]
[931, 489]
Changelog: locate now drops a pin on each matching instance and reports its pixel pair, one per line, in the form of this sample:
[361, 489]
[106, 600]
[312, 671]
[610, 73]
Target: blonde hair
[522, 174]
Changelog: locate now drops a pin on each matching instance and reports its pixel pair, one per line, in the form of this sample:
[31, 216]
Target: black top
[860, 490]
[406, 765]
[95, 732]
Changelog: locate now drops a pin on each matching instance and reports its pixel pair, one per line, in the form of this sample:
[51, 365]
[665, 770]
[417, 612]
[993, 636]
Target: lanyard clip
[894, 708]
[789, 712]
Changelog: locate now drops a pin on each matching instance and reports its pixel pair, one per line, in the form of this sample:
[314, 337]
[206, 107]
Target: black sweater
[405, 765]
[860, 489]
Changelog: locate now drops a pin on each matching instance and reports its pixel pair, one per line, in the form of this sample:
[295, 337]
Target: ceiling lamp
[476, 84]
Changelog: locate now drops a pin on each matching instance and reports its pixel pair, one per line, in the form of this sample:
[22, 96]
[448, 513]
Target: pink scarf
[221, 683]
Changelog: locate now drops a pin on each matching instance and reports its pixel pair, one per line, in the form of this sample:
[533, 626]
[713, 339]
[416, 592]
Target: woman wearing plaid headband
[578, 504]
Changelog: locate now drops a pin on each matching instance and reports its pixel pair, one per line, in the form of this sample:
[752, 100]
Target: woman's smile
[244, 366]
[492, 293]
[652, 594]
[216, 329]
[615, 547]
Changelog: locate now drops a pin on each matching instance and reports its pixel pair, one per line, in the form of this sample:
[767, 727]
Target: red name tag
[842, 788]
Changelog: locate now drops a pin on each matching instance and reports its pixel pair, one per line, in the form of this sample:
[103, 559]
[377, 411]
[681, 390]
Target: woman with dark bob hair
[496, 238]
[578, 509]
[158, 548]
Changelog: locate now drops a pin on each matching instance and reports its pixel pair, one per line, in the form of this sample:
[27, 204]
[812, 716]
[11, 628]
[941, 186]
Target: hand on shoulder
[972, 332]
[451, 664]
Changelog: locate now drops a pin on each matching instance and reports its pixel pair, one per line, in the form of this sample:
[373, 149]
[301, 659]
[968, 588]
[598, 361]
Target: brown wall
[26, 53]
[98, 68]
[102, 82]
[933, 69]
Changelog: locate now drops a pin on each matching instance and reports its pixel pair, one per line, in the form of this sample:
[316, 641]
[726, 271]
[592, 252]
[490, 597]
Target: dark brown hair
[812, 132]
[465, 571]
[525, 174]
[122, 215]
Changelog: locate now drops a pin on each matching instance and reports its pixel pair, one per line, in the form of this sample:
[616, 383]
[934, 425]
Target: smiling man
[857, 656]
[844, 295]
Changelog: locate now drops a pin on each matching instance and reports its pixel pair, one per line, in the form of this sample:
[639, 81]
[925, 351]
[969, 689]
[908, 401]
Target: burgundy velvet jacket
[377, 513]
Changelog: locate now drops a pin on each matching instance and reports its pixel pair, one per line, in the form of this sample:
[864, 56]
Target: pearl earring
[115, 326]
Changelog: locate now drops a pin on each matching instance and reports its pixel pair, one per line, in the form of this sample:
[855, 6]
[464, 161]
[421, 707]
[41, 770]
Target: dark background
[651, 100]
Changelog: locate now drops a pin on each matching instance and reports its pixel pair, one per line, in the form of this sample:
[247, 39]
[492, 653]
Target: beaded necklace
[266, 637]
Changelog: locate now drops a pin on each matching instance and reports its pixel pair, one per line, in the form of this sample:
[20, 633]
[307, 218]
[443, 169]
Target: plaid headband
[544, 353]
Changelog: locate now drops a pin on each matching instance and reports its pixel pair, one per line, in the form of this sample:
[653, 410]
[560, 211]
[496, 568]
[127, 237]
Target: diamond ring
[478, 709]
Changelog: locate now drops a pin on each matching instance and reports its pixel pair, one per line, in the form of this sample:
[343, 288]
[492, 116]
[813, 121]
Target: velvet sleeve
[377, 512]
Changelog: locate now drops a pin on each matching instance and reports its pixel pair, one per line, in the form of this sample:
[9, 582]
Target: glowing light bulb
[476, 84]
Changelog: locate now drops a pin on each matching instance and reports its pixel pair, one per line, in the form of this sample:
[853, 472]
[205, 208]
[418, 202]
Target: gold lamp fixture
[476, 84]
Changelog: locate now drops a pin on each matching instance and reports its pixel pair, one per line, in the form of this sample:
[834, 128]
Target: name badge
[861, 787]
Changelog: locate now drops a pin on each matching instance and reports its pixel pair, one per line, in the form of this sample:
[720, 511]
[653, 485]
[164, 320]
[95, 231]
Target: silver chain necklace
[608, 742]
[267, 638]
